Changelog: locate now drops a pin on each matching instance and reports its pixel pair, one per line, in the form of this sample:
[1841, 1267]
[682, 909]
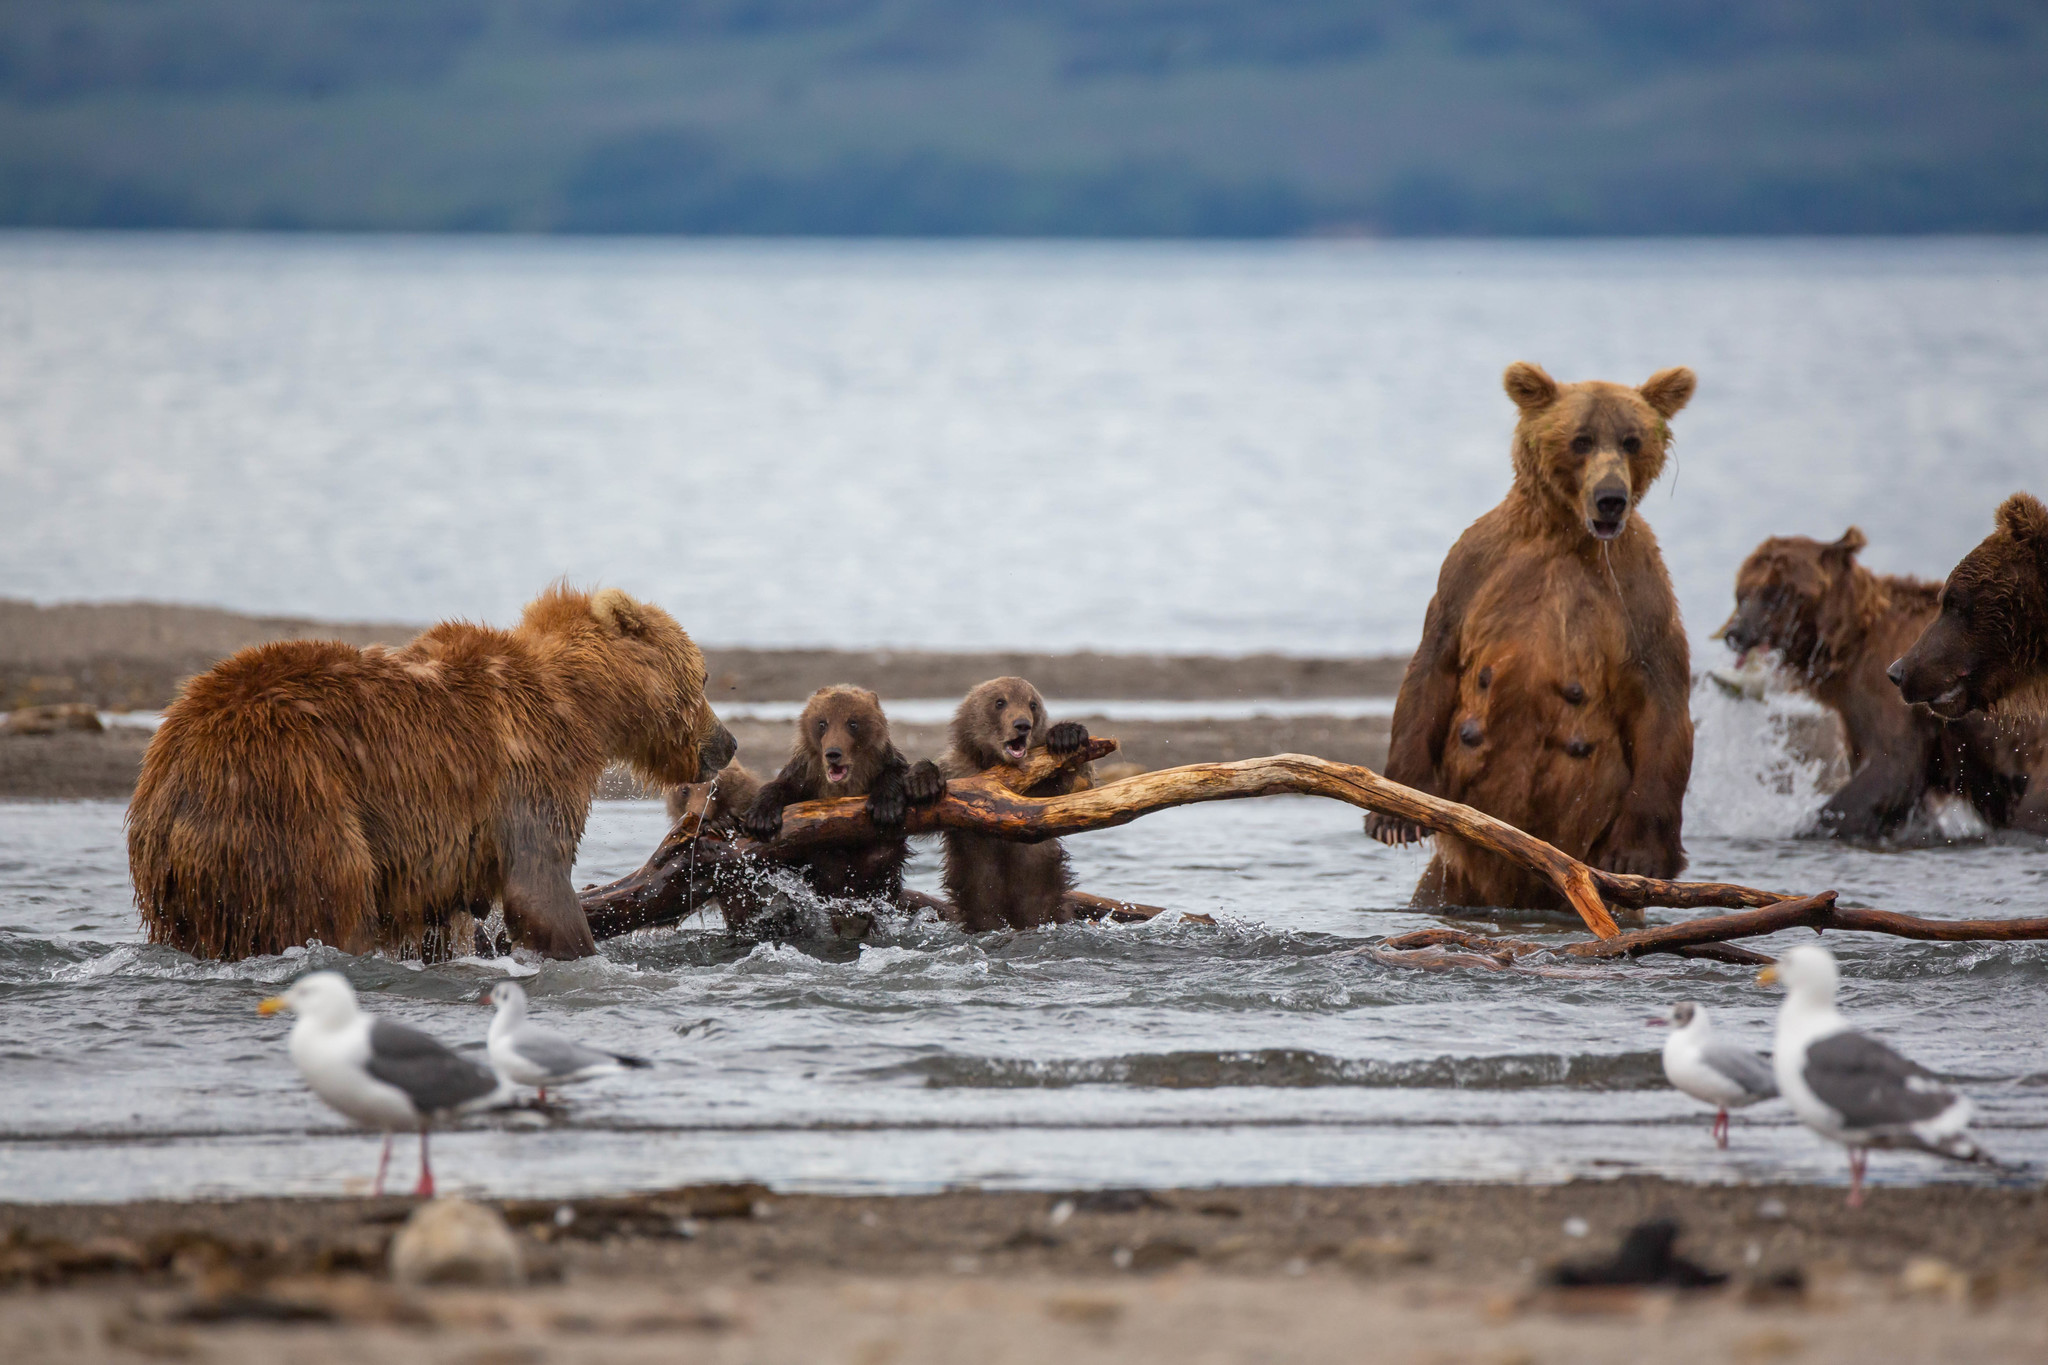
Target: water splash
[1764, 759]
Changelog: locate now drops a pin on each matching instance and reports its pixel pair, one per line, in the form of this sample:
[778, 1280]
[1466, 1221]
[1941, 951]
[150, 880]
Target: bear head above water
[1590, 451]
[1988, 648]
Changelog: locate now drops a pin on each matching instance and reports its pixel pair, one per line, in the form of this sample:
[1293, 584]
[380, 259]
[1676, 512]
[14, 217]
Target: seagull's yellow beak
[1768, 976]
[272, 1005]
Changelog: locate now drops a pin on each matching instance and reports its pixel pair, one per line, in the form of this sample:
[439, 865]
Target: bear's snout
[1609, 502]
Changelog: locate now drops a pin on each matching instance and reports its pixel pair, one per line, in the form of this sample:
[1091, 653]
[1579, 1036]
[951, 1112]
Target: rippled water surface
[1193, 447]
[1260, 1049]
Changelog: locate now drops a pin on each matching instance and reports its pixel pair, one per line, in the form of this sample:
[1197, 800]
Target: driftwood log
[690, 864]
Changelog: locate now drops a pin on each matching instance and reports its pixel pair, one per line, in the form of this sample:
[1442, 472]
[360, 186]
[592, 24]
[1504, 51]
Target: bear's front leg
[542, 913]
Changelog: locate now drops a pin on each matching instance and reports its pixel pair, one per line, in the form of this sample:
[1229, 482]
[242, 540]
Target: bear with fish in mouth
[1987, 648]
[385, 798]
[1835, 627]
[1551, 686]
[841, 749]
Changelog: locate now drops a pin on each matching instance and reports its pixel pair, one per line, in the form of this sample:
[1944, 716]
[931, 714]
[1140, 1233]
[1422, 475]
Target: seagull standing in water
[1849, 1087]
[381, 1074]
[1714, 1072]
[527, 1054]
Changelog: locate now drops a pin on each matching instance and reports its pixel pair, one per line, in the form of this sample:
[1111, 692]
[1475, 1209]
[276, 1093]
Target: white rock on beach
[452, 1241]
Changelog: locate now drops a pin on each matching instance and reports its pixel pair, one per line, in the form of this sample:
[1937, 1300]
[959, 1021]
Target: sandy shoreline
[133, 656]
[1439, 1272]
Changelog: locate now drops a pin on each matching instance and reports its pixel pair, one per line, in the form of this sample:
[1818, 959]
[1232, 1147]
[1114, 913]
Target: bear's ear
[1668, 390]
[1529, 386]
[615, 610]
[2022, 517]
[1852, 540]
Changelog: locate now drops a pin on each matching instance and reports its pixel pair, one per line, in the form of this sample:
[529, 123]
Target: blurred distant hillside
[1086, 117]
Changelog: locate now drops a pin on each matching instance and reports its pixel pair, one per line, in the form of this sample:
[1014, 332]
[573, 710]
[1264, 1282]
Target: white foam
[1747, 779]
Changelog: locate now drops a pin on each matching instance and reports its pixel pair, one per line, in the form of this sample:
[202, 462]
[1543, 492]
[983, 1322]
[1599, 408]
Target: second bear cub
[842, 748]
[999, 883]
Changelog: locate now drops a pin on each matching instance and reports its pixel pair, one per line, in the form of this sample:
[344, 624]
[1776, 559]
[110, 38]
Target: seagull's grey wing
[430, 1073]
[1871, 1086]
[1743, 1067]
[554, 1054]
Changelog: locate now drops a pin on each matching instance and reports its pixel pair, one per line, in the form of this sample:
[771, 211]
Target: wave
[1291, 1068]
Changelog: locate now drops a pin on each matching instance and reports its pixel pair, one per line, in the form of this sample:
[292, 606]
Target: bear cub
[999, 883]
[842, 748]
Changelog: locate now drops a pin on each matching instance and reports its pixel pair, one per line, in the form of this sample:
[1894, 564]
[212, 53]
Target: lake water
[1133, 447]
[1129, 446]
[1261, 1049]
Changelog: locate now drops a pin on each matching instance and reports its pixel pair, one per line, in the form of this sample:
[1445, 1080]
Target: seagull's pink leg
[1721, 1128]
[425, 1189]
[377, 1186]
[1858, 1159]
[542, 1091]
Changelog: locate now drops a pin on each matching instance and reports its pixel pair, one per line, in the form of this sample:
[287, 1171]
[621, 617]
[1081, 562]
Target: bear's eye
[1034, 708]
[821, 727]
[1582, 445]
[1631, 444]
[853, 727]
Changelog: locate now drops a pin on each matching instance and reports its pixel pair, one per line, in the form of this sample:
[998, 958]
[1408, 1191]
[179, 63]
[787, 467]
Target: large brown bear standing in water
[1001, 883]
[1988, 648]
[1836, 625]
[1550, 689]
[369, 797]
[842, 748]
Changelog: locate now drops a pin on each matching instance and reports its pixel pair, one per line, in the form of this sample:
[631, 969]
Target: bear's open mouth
[1015, 747]
[837, 772]
[1605, 530]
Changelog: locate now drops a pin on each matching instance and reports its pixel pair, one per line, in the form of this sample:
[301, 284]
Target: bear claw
[1069, 736]
[924, 783]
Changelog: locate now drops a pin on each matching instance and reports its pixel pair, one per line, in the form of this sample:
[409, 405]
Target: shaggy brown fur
[1551, 686]
[1988, 649]
[1835, 625]
[369, 797]
[1000, 883]
[732, 795]
[842, 749]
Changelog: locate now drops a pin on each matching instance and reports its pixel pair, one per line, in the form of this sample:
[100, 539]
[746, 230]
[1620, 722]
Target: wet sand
[134, 656]
[1427, 1273]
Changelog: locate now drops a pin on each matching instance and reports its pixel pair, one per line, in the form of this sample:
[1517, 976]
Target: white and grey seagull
[1698, 1062]
[381, 1074]
[527, 1054]
[1849, 1087]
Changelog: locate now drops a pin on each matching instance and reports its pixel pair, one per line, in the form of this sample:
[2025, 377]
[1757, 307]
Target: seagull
[381, 1074]
[1849, 1087]
[527, 1054]
[1710, 1070]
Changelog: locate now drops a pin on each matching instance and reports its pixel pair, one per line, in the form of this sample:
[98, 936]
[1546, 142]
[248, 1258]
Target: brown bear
[1835, 625]
[1550, 687]
[1001, 883]
[841, 749]
[1988, 648]
[368, 797]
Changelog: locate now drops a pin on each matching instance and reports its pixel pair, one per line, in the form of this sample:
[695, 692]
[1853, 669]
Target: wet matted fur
[1001, 883]
[1550, 689]
[1987, 650]
[367, 798]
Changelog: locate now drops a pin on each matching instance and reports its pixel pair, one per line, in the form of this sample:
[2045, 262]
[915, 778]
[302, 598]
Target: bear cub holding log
[1988, 648]
[1835, 626]
[1001, 883]
[1551, 686]
[373, 798]
[841, 749]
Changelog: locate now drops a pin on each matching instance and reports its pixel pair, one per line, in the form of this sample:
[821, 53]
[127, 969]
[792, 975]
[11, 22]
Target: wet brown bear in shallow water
[1988, 649]
[1000, 883]
[1836, 625]
[1550, 689]
[842, 749]
[369, 797]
